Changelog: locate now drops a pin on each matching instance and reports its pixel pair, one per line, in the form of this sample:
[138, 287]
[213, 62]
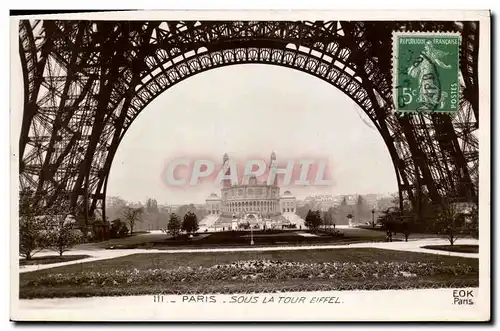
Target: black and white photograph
[250, 166]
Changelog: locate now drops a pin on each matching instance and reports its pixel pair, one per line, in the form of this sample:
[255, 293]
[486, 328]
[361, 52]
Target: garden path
[410, 246]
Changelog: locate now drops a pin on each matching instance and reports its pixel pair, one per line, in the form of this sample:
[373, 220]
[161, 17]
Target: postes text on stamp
[425, 72]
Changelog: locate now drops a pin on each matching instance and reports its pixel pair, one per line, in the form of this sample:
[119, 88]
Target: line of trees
[449, 220]
[137, 216]
[454, 221]
[174, 225]
[361, 211]
[152, 216]
[57, 229]
[315, 219]
[189, 224]
[121, 226]
[132, 215]
[54, 229]
[191, 208]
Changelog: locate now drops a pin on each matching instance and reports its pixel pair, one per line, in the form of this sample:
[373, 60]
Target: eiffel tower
[86, 81]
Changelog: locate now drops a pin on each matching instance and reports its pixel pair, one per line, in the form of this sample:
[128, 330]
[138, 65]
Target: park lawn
[368, 231]
[51, 259]
[230, 239]
[132, 241]
[32, 286]
[455, 248]
[241, 239]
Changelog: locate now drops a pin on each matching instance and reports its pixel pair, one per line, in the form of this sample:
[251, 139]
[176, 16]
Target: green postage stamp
[425, 71]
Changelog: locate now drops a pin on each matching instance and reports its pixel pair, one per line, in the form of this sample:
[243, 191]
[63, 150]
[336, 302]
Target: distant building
[300, 203]
[250, 203]
[213, 204]
[288, 203]
[165, 209]
[243, 199]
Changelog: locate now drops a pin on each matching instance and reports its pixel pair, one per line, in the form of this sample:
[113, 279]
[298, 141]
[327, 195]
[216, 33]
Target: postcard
[251, 166]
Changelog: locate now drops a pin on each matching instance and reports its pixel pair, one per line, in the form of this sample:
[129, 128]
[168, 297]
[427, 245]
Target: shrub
[32, 236]
[174, 225]
[32, 225]
[123, 232]
[100, 230]
[118, 229]
[62, 233]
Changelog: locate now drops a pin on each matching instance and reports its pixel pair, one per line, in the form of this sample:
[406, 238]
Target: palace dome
[213, 197]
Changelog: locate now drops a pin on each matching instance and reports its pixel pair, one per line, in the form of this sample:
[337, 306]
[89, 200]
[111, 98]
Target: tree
[302, 211]
[344, 202]
[328, 217]
[174, 225]
[163, 218]
[153, 216]
[115, 207]
[313, 219]
[151, 206]
[388, 221]
[386, 202]
[308, 219]
[118, 229]
[450, 222]
[362, 210]
[32, 234]
[406, 226]
[32, 226]
[317, 219]
[190, 223]
[394, 220]
[184, 209]
[331, 216]
[473, 224]
[132, 216]
[62, 232]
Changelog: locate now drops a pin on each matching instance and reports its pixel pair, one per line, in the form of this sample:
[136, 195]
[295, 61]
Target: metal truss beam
[86, 82]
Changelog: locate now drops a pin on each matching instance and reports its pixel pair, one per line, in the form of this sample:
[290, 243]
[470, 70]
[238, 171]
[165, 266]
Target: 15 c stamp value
[425, 71]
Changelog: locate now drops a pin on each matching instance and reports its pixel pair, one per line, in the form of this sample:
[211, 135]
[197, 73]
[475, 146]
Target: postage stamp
[249, 166]
[426, 71]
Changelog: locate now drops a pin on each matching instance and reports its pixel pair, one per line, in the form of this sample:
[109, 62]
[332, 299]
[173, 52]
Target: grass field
[242, 239]
[130, 241]
[51, 259]
[355, 268]
[455, 248]
[239, 239]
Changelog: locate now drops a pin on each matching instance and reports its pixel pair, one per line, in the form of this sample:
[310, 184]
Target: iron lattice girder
[85, 82]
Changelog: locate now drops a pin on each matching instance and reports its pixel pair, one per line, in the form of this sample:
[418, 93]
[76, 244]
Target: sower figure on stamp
[424, 69]
[435, 54]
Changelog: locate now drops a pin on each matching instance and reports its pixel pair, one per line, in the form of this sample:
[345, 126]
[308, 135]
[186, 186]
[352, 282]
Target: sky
[249, 111]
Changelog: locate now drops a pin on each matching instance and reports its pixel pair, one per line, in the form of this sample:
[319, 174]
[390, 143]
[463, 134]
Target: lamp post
[373, 218]
[251, 235]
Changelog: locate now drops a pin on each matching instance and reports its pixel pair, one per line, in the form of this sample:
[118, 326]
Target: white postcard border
[400, 305]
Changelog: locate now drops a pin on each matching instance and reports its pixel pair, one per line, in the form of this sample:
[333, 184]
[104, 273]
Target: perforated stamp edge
[394, 67]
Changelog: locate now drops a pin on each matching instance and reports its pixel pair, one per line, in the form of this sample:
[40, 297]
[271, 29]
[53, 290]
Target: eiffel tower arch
[86, 81]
